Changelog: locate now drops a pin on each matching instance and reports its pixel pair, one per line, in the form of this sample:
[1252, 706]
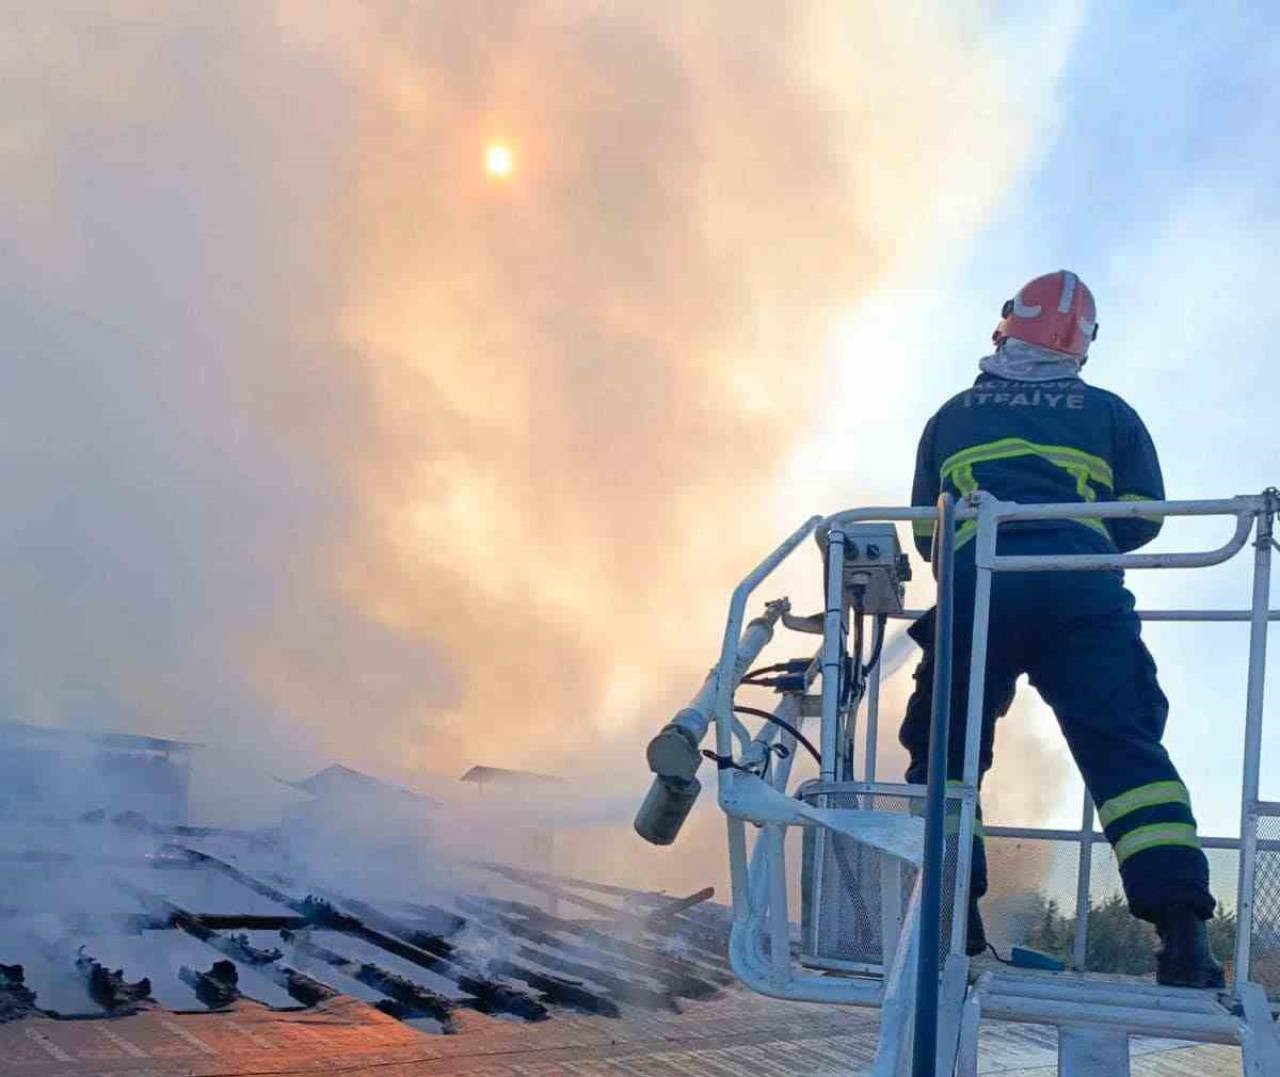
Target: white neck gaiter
[1016, 360]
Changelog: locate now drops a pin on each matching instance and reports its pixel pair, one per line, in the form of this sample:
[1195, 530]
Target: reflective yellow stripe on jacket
[924, 529]
[1143, 497]
[1082, 466]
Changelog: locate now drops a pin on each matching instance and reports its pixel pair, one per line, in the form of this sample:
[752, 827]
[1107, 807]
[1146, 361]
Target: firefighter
[1030, 430]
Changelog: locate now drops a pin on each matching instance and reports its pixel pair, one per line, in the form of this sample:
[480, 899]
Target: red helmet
[1055, 311]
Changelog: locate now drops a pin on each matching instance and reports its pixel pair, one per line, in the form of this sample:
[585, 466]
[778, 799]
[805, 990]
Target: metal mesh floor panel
[1264, 962]
[1031, 899]
[854, 897]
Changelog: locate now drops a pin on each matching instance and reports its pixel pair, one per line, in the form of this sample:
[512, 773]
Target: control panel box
[875, 568]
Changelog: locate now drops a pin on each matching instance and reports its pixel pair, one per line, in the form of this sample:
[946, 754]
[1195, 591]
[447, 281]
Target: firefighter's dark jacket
[1040, 442]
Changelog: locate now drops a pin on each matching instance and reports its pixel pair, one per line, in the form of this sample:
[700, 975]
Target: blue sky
[1156, 179]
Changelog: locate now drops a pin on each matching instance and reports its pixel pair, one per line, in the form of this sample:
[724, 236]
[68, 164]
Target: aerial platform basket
[885, 866]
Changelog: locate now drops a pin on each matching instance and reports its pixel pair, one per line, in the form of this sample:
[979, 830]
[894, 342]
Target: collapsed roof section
[181, 919]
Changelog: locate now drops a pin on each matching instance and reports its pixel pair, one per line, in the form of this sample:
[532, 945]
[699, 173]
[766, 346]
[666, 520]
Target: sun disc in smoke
[499, 161]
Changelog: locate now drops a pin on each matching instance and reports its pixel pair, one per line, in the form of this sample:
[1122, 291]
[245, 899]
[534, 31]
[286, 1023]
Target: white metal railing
[760, 950]
[990, 513]
[1086, 836]
[1250, 513]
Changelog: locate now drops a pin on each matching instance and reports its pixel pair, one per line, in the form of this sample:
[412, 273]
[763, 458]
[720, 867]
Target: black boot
[1183, 958]
[975, 941]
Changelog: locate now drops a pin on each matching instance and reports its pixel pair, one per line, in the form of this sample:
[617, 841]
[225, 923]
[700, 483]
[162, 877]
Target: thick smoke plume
[324, 441]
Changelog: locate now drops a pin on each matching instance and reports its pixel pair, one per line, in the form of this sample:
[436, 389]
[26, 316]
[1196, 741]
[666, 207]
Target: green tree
[1117, 941]
[1222, 933]
[1051, 933]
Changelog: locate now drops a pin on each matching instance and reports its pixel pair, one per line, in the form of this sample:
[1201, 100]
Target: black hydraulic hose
[854, 683]
[777, 667]
[850, 664]
[800, 737]
[924, 1056]
[844, 681]
[876, 647]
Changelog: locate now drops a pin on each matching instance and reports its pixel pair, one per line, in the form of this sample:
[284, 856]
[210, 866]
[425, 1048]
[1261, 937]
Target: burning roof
[131, 948]
[166, 920]
[514, 779]
[342, 782]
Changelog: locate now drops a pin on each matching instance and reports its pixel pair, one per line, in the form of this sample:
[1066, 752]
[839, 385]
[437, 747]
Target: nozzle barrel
[673, 754]
[665, 808]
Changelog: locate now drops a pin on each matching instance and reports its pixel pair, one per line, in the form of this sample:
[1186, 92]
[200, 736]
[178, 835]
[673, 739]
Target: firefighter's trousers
[1076, 636]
